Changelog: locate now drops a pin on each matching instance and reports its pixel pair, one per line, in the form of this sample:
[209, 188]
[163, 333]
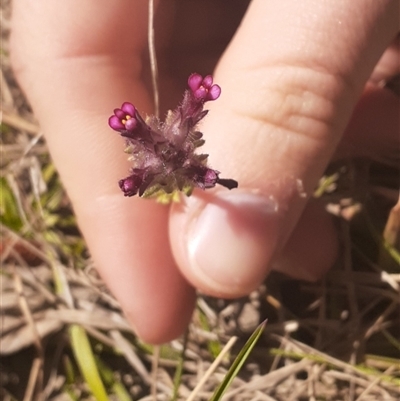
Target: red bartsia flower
[163, 154]
[123, 119]
[203, 88]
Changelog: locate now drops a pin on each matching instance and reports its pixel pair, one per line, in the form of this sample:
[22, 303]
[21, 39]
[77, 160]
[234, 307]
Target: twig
[18, 123]
[36, 376]
[376, 326]
[125, 346]
[154, 79]
[212, 368]
[368, 389]
[26, 244]
[6, 92]
[154, 371]
[153, 58]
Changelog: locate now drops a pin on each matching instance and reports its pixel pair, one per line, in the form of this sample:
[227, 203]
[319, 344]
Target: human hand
[290, 80]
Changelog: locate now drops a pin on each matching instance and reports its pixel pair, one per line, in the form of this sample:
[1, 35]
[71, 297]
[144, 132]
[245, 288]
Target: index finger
[78, 61]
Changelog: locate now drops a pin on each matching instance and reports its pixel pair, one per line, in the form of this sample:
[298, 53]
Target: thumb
[290, 80]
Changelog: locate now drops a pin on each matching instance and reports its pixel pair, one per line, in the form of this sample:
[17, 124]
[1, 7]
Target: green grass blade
[179, 368]
[392, 251]
[9, 214]
[238, 362]
[120, 391]
[214, 347]
[114, 385]
[86, 361]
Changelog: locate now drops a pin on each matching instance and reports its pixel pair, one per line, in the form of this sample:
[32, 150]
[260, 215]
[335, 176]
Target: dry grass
[333, 340]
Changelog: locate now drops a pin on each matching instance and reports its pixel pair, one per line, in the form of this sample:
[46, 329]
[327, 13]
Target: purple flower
[203, 88]
[123, 118]
[203, 176]
[130, 185]
[163, 154]
[135, 183]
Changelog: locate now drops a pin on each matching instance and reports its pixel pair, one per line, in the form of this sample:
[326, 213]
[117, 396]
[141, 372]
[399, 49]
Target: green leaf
[120, 391]
[69, 370]
[9, 214]
[238, 362]
[112, 383]
[86, 361]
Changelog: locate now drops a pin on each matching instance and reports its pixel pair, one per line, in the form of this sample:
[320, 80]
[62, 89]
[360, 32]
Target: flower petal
[131, 124]
[201, 93]
[194, 81]
[128, 108]
[115, 123]
[120, 114]
[214, 92]
[207, 81]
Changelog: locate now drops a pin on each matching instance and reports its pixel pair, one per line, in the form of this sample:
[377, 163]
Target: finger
[77, 62]
[290, 79]
[388, 65]
[312, 247]
[373, 130]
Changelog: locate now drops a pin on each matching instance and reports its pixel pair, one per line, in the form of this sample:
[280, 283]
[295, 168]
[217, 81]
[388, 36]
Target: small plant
[163, 153]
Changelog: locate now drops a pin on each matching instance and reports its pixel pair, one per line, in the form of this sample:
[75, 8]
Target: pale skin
[291, 78]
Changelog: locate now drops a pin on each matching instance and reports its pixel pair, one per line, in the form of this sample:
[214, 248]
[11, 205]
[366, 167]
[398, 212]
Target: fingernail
[232, 240]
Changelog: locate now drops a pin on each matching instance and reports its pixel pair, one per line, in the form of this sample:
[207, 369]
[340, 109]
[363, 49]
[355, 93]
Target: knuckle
[310, 102]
